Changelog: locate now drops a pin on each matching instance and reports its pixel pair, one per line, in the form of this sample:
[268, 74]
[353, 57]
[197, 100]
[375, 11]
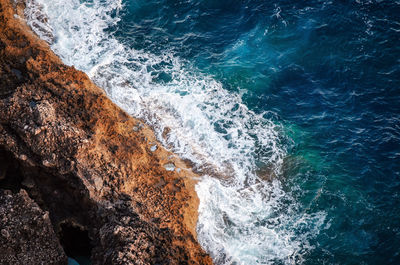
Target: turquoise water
[304, 92]
[330, 72]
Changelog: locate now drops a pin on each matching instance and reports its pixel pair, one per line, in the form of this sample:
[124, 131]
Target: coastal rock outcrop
[86, 162]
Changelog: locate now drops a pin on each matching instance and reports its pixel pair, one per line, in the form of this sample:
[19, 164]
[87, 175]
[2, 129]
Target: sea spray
[242, 218]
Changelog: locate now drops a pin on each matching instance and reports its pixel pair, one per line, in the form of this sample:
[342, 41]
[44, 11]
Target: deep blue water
[327, 72]
[330, 72]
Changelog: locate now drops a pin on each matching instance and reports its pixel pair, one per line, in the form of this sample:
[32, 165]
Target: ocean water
[290, 111]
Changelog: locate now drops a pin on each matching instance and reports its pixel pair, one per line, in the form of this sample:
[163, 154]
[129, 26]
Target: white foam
[209, 125]
[252, 225]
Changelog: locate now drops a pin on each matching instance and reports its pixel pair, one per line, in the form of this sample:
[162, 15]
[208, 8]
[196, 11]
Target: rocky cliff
[109, 189]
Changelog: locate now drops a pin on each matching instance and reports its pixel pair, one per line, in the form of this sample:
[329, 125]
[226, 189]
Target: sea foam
[243, 219]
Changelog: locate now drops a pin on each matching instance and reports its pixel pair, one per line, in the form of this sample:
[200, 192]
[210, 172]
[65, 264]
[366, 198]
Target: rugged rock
[88, 163]
[26, 234]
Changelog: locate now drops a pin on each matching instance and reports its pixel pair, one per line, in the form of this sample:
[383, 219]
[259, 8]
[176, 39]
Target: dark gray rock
[26, 233]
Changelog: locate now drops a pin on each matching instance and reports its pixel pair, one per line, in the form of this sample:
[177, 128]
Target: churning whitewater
[243, 218]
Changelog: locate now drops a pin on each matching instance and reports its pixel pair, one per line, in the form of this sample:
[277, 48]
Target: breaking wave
[243, 218]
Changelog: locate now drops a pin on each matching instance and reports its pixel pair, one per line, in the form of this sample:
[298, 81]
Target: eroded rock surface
[87, 162]
[26, 233]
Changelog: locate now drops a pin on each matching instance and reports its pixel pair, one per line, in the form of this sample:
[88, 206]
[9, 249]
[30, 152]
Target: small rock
[126, 220]
[37, 131]
[23, 193]
[46, 215]
[98, 183]
[47, 163]
[45, 112]
[5, 233]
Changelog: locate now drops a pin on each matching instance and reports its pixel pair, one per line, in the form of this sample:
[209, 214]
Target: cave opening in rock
[10, 174]
[76, 242]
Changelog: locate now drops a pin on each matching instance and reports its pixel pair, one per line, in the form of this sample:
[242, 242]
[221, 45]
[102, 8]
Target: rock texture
[26, 233]
[86, 162]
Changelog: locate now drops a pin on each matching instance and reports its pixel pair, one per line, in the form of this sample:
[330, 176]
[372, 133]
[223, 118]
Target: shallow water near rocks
[79, 261]
[303, 93]
[169, 167]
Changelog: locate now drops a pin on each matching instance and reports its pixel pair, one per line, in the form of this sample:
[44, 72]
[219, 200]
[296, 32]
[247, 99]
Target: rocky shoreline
[77, 173]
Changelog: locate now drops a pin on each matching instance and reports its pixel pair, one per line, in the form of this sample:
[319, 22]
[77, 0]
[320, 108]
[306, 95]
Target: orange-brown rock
[86, 161]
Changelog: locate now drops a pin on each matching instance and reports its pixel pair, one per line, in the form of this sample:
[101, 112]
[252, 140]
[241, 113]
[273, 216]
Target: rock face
[26, 233]
[88, 163]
